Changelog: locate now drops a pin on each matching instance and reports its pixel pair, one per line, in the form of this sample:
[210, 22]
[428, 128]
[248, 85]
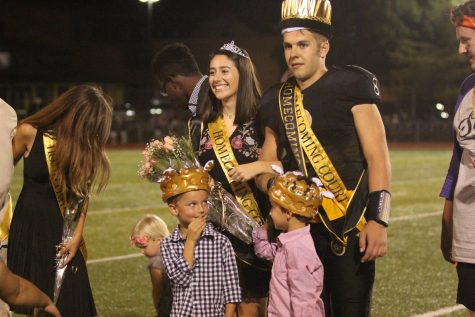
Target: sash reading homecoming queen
[49, 143]
[304, 144]
[225, 155]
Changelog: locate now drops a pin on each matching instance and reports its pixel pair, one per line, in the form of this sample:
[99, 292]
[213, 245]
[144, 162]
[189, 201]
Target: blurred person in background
[180, 79]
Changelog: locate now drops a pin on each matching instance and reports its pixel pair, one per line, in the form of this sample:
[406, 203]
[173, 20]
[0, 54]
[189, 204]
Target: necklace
[227, 115]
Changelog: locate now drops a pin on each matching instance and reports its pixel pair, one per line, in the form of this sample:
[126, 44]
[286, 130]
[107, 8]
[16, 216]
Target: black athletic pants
[347, 282]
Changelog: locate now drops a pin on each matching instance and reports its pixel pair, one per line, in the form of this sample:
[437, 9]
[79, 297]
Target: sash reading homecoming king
[305, 145]
[224, 153]
[61, 196]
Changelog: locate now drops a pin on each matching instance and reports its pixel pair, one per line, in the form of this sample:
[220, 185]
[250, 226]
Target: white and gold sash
[224, 153]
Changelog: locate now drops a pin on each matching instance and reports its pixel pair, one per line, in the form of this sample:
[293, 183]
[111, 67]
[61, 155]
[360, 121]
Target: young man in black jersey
[325, 122]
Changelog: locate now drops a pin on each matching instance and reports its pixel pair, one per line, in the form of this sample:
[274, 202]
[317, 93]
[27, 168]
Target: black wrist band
[270, 182]
[379, 207]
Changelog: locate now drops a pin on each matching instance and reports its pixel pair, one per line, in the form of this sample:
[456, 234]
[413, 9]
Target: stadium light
[444, 115]
[156, 111]
[439, 107]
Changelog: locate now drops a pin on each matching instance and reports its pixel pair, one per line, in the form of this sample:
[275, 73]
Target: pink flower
[169, 144]
[208, 145]
[146, 155]
[147, 168]
[157, 144]
[140, 241]
[236, 142]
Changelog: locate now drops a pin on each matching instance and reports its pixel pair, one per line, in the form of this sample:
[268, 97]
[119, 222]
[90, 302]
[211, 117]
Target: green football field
[411, 280]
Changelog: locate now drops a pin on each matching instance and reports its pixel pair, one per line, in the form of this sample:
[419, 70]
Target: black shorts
[466, 287]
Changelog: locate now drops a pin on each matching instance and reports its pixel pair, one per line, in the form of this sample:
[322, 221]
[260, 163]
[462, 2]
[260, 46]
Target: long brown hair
[80, 120]
[248, 94]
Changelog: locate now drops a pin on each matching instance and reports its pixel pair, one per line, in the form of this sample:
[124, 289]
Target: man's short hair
[466, 8]
[174, 59]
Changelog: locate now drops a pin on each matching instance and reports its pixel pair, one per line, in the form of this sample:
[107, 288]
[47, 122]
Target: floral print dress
[246, 142]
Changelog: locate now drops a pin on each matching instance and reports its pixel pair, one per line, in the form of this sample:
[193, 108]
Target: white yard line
[125, 209]
[133, 255]
[439, 312]
[115, 258]
[416, 216]
[418, 180]
[442, 311]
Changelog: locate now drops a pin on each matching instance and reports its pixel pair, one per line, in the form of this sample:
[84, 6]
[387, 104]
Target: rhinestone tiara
[231, 47]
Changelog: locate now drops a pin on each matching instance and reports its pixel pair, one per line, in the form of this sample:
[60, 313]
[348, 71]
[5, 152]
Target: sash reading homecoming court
[305, 146]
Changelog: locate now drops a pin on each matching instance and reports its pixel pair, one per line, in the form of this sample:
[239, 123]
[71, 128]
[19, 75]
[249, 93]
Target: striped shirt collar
[193, 102]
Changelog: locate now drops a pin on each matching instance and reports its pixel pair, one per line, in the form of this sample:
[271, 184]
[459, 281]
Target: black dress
[246, 142]
[35, 231]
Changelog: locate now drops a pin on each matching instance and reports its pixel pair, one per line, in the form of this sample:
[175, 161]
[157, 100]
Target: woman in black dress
[63, 148]
[231, 138]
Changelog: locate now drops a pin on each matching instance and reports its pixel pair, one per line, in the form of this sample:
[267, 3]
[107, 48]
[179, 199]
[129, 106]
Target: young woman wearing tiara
[230, 137]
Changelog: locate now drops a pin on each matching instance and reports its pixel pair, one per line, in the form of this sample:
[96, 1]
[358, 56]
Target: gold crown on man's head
[293, 193]
[175, 182]
[310, 14]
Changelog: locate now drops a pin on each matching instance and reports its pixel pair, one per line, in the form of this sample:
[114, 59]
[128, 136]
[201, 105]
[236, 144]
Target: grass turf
[412, 279]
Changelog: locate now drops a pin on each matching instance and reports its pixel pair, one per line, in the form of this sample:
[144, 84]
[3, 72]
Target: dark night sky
[61, 28]
[174, 18]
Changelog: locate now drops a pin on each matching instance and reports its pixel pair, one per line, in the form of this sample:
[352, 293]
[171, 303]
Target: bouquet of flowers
[170, 153]
[71, 217]
[226, 213]
[173, 153]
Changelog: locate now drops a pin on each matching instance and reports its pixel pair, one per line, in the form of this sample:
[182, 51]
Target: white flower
[249, 140]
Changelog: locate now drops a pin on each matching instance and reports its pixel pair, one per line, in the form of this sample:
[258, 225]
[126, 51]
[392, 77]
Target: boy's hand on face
[195, 228]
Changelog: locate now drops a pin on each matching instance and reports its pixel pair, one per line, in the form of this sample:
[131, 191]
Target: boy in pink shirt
[297, 273]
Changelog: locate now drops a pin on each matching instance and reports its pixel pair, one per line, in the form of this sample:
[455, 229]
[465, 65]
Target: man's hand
[446, 233]
[373, 241]
[48, 311]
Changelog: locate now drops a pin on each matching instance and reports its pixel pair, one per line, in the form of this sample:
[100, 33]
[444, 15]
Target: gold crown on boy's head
[184, 180]
[309, 14]
[292, 192]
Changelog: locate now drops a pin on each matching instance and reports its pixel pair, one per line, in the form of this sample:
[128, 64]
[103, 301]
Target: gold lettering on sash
[317, 157]
[287, 111]
[224, 153]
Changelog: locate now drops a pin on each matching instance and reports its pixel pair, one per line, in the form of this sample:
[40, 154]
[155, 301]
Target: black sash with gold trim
[305, 146]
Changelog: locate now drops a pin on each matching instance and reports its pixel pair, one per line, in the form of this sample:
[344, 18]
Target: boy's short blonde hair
[151, 227]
